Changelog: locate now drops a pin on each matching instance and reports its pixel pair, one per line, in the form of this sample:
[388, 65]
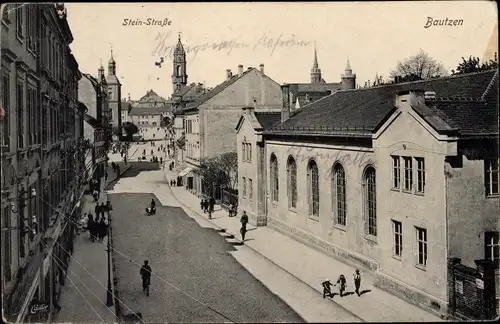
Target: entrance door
[190, 183]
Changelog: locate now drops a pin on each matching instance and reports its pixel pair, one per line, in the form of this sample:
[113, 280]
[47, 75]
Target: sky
[373, 36]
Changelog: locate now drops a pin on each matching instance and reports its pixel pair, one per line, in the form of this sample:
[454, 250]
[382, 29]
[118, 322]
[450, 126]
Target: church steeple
[111, 65]
[100, 73]
[179, 73]
[315, 71]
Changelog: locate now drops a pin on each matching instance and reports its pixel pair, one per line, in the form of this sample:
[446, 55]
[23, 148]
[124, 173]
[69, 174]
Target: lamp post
[109, 294]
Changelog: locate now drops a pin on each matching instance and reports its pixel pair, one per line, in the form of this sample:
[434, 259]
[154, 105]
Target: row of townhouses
[53, 139]
[401, 179]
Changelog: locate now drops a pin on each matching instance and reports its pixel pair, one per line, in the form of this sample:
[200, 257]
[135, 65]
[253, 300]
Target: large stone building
[397, 178]
[93, 95]
[209, 121]
[41, 155]
[150, 110]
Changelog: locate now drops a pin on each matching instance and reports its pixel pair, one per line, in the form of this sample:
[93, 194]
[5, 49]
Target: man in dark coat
[146, 277]
[244, 222]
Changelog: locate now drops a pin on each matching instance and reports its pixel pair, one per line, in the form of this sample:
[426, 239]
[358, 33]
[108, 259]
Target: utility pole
[109, 295]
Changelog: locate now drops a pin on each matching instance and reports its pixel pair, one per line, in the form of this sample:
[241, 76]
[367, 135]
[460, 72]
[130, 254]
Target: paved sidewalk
[83, 298]
[311, 266]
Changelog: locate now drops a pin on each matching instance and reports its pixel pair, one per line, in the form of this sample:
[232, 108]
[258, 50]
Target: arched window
[291, 170]
[313, 184]
[274, 178]
[370, 201]
[178, 70]
[338, 194]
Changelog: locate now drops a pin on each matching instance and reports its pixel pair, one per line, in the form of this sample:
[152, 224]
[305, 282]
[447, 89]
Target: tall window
[20, 21]
[6, 244]
[291, 170]
[250, 189]
[31, 122]
[491, 177]
[338, 194]
[422, 246]
[244, 184]
[6, 106]
[178, 70]
[370, 201]
[397, 232]
[492, 247]
[396, 172]
[274, 178]
[20, 115]
[249, 152]
[408, 180]
[420, 175]
[313, 184]
[243, 153]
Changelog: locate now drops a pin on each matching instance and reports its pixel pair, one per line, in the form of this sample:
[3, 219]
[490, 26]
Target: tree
[229, 166]
[473, 64]
[219, 171]
[130, 129]
[165, 121]
[418, 67]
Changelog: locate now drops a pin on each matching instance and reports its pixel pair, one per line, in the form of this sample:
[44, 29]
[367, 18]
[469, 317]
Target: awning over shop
[185, 172]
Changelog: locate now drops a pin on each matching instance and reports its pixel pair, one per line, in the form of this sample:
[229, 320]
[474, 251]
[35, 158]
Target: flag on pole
[2, 113]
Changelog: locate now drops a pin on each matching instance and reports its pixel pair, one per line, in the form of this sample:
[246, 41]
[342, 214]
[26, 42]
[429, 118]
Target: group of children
[341, 283]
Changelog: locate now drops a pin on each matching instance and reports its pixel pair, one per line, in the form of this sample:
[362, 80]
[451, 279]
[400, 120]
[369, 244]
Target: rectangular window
[249, 152]
[30, 118]
[250, 189]
[422, 246]
[396, 172]
[244, 183]
[408, 176]
[397, 230]
[492, 247]
[243, 156]
[6, 106]
[420, 175]
[20, 21]
[20, 115]
[491, 177]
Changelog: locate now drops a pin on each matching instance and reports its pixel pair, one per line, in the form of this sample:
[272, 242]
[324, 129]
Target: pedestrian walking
[109, 207]
[202, 204]
[92, 227]
[244, 222]
[212, 203]
[146, 277]
[101, 229]
[327, 288]
[357, 281]
[341, 282]
[97, 211]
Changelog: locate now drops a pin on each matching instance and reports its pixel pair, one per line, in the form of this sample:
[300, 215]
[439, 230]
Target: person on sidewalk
[202, 204]
[212, 204]
[97, 211]
[153, 204]
[357, 282]
[92, 227]
[109, 208]
[101, 229]
[327, 288]
[341, 282]
[244, 222]
[146, 277]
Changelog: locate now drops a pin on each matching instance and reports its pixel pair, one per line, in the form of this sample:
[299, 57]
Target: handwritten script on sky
[165, 44]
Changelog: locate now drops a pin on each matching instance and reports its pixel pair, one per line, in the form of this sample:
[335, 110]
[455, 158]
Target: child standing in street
[357, 281]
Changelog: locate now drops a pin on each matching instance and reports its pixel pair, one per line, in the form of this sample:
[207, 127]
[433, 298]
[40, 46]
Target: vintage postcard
[249, 162]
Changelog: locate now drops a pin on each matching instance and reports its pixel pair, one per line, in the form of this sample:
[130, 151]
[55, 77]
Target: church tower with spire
[316, 71]
[348, 78]
[179, 73]
[114, 94]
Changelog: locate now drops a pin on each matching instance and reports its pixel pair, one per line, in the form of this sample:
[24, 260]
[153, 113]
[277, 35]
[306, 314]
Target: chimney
[261, 68]
[240, 70]
[229, 74]
[285, 109]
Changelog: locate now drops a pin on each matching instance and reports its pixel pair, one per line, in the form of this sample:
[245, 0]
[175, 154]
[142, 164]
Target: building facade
[390, 183]
[93, 95]
[40, 165]
[209, 122]
[150, 110]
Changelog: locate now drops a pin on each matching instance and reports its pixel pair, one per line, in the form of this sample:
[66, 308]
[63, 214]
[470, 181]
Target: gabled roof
[362, 111]
[268, 119]
[212, 93]
[259, 120]
[149, 111]
[152, 96]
